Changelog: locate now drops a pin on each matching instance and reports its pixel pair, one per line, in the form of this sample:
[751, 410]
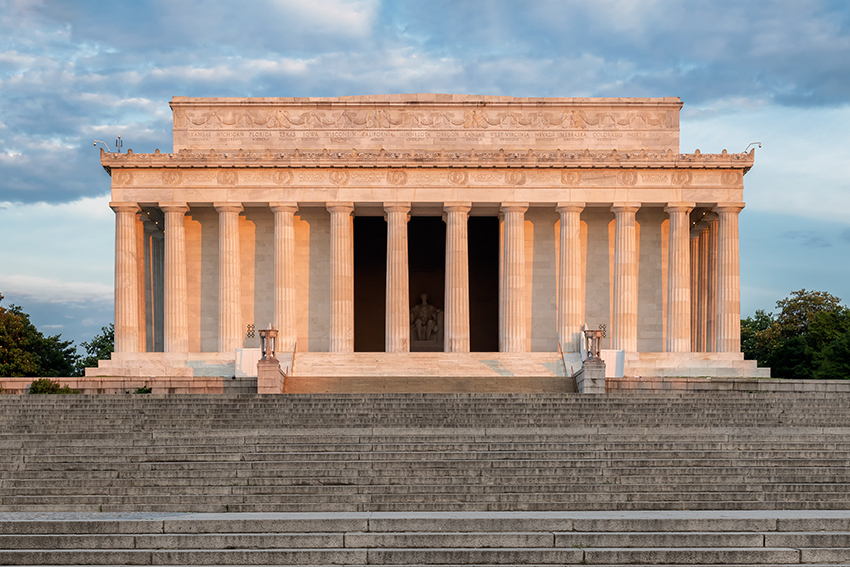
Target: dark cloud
[807, 238]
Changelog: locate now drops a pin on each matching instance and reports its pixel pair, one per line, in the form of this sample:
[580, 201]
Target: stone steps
[463, 538]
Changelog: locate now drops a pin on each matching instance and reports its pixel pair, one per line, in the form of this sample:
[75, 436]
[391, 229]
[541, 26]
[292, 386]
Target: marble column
[176, 316]
[694, 264]
[456, 336]
[151, 232]
[624, 313]
[728, 279]
[678, 279]
[126, 277]
[570, 301]
[513, 329]
[702, 289]
[141, 247]
[711, 287]
[397, 328]
[284, 274]
[342, 278]
[229, 278]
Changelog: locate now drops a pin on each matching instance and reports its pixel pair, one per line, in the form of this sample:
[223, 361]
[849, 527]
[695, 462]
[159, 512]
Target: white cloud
[51, 290]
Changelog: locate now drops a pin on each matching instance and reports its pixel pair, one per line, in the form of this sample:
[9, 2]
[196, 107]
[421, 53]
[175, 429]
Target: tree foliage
[100, 347]
[808, 337]
[25, 351]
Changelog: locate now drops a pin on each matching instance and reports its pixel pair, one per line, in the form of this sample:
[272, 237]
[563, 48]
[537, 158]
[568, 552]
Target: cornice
[477, 159]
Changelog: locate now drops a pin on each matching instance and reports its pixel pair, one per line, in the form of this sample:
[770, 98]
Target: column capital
[674, 207]
[397, 207]
[514, 207]
[174, 207]
[280, 207]
[457, 207]
[123, 207]
[625, 207]
[729, 207]
[228, 207]
[342, 207]
[570, 207]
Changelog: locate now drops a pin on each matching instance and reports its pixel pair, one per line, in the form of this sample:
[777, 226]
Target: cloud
[50, 290]
[807, 238]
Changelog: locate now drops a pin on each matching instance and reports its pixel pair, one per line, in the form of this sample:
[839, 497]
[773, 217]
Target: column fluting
[513, 278]
[126, 277]
[456, 336]
[176, 316]
[570, 300]
[342, 278]
[229, 278]
[678, 279]
[728, 279]
[711, 287]
[702, 289]
[284, 273]
[397, 328]
[694, 265]
[624, 316]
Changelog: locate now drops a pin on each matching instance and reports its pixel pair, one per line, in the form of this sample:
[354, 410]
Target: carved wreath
[396, 177]
[227, 177]
[282, 177]
[172, 177]
[569, 177]
[627, 177]
[339, 177]
[457, 177]
[515, 178]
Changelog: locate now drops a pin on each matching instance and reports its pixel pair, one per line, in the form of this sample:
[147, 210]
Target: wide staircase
[654, 479]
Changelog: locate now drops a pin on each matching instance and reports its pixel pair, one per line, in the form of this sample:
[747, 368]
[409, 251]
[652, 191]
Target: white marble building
[522, 219]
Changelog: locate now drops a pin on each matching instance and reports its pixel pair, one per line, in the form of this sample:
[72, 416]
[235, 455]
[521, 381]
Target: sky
[775, 72]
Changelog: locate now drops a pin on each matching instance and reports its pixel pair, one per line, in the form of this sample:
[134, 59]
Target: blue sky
[71, 72]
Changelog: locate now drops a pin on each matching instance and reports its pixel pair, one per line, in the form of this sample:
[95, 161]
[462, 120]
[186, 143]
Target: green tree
[100, 347]
[25, 351]
[803, 339]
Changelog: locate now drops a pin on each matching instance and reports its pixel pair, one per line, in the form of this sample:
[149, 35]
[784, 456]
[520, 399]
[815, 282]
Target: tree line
[26, 351]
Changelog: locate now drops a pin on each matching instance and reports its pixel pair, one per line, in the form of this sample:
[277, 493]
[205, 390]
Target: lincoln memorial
[414, 242]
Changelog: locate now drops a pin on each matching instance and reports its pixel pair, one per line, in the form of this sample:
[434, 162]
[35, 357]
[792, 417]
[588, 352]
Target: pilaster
[679, 281]
[513, 329]
[176, 316]
[728, 279]
[456, 336]
[342, 278]
[397, 328]
[570, 300]
[230, 280]
[284, 273]
[624, 313]
[126, 277]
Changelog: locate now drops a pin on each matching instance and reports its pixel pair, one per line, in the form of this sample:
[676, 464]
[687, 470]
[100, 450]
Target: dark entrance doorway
[483, 240]
[426, 258]
[370, 283]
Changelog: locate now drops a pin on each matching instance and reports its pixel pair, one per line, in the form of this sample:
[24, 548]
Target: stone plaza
[425, 242]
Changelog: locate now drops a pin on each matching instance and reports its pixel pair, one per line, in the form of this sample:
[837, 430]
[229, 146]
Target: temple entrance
[426, 258]
[483, 240]
[370, 283]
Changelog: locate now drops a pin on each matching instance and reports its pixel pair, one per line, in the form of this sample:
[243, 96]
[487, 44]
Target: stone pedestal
[591, 378]
[270, 378]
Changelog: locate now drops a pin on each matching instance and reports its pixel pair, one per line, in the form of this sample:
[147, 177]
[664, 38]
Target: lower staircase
[651, 479]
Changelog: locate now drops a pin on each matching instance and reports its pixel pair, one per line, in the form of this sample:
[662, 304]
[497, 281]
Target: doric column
[284, 273]
[624, 315]
[728, 279]
[678, 279]
[702, 289]
[711, 287]
[570, 301]
[513, 278]
[126, 277]
[157, 288]
[342, 278]
[176, 316]
[456, 336]
[229, 278]
[397, 338]
[694, 264]
[150, 234]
